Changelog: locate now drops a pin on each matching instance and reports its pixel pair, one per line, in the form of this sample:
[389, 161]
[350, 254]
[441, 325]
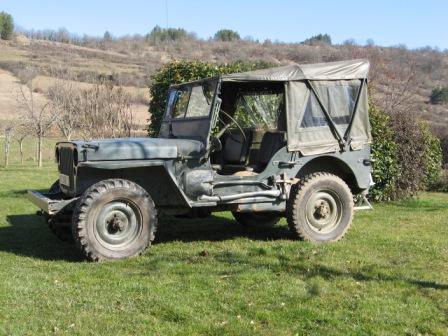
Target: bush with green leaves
[433, 158]
[439, 95]
[444, 145]
[177, 72]
[227, 35]
[6, 26]
[408, 156]
[384, 151]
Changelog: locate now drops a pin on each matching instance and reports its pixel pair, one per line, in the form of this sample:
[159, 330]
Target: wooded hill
[401, 79]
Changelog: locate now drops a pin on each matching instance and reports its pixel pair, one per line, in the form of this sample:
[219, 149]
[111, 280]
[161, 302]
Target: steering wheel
[227, 126]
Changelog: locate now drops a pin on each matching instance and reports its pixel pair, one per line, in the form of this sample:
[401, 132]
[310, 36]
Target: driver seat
[235, 151]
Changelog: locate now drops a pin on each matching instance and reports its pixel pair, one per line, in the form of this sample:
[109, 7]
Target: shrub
[408, 156]
[432, 158]
[6, 26]
[177, 72]
[385, 169]
[439, 95]
[444, 145]
[411, 152]
[227, 35]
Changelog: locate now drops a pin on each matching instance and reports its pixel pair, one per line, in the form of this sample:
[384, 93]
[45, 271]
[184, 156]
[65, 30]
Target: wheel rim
[118, 224]
[323, 211]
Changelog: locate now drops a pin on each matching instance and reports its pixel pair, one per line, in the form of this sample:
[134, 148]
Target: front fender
[155, 176]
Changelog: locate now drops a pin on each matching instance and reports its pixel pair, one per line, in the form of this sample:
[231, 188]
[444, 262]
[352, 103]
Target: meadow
[388, 276]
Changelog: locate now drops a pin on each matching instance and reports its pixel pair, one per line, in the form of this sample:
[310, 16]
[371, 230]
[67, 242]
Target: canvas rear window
[338, 98]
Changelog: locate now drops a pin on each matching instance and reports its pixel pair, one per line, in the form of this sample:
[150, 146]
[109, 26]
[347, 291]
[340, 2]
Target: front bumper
[51, 203]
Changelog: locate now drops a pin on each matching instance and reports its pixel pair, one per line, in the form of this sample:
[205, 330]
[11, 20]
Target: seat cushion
[271, 143]
[234, 146]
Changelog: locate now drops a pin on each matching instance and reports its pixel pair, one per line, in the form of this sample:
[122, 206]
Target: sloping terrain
[400, 78]
[9, 93]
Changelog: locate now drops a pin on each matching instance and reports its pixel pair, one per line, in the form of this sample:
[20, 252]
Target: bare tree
[8, 131]
[398, 85]
[37, 115]
[21, 132]
[105, 111]
[65, 99]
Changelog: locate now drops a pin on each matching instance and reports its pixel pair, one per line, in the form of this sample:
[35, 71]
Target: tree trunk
[21, 151]
[7, 146]
[39, 151]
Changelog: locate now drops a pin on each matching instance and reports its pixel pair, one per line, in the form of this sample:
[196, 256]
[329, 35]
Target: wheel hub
[118, 224]
[323, 210]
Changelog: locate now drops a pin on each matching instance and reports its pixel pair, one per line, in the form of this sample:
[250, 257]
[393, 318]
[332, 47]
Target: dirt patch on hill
[10, 107]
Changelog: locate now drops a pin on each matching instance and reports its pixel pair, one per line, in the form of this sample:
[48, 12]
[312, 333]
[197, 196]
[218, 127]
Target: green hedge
[384, 150]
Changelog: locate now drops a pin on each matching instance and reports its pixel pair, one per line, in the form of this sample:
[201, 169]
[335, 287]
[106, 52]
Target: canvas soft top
[343, 70]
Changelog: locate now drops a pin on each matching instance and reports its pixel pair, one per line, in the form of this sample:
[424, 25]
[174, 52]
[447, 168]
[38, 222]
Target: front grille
[67, 169]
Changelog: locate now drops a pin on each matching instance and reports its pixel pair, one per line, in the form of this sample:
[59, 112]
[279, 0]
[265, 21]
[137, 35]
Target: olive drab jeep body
[292, 141]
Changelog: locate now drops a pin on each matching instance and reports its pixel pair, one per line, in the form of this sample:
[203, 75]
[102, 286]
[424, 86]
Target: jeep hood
[136, 149]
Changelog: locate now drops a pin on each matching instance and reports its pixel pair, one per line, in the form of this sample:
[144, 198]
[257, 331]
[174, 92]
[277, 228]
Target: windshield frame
[168, 112]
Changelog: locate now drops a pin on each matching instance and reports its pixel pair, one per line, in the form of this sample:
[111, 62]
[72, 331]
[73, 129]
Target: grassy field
[388, 276]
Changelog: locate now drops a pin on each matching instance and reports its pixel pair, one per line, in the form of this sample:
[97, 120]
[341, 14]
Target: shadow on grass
[29, 236]
[13, 193]
[309, 270]
[330, 273]
[214, 228]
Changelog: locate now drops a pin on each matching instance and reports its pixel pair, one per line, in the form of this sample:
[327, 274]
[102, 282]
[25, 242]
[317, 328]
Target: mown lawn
[388, 276]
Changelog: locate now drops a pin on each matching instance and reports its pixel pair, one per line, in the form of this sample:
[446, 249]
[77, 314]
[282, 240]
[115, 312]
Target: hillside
[400, 78]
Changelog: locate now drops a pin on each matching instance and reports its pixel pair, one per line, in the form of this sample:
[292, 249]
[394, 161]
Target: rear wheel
[114, 219]
[60, 224]
[256, 218]
[320, 208]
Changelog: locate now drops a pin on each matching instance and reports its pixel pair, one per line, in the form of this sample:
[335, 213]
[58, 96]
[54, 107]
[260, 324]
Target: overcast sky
[387, 22]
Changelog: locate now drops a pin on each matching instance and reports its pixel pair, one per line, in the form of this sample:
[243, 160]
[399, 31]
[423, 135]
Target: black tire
[114, 219]
[60, 224]
[320, 208]
[256, 218]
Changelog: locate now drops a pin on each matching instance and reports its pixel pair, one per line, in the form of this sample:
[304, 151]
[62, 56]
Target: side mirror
[215, 144]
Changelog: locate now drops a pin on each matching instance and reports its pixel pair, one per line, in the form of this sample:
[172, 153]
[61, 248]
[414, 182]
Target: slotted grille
[66, 167]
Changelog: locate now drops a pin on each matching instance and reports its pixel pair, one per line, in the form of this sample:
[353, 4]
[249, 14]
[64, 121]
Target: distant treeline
[159, 35]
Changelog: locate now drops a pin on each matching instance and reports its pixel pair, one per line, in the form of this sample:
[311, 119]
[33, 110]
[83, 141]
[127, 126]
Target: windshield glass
[190, 101]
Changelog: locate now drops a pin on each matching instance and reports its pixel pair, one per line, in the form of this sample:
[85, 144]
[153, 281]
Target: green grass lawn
[388, 276]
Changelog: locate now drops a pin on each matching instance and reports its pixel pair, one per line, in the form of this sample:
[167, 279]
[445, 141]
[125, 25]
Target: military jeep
[292, 141]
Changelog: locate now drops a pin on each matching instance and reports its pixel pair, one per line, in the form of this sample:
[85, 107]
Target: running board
[227, 198]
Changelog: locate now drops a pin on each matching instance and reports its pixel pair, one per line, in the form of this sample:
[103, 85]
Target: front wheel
[114, 219]
[320, 208]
